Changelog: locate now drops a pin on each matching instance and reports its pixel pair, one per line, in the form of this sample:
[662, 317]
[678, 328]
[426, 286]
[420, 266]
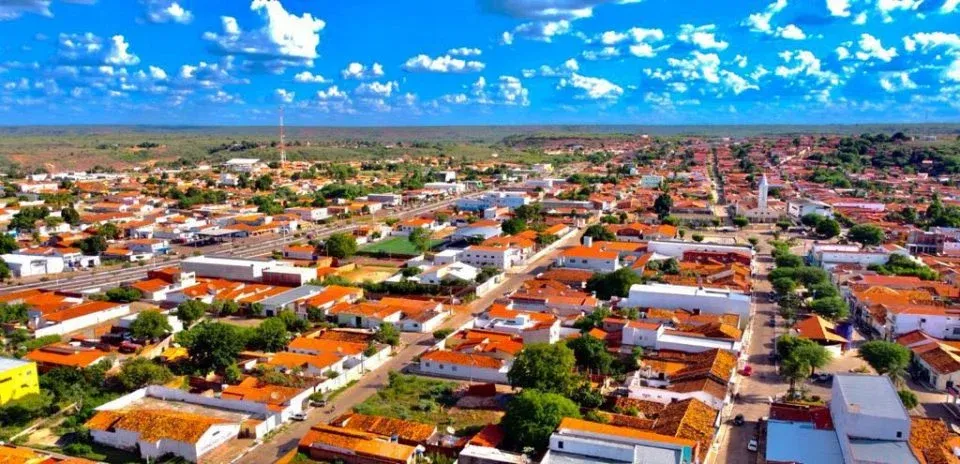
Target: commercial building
[17, 379]
[704, 300]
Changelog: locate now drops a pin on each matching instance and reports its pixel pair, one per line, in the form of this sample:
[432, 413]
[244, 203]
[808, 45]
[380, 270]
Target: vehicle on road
[299, 416]
[738, 420]
[747, 371]
[752, 445]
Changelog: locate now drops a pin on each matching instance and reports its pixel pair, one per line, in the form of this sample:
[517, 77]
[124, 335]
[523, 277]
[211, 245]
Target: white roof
[10, 363]
[689, 291]
[236, 161]
[870, 395]
[27, 259]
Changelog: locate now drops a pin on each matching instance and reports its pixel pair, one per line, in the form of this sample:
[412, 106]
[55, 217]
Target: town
[637, 299]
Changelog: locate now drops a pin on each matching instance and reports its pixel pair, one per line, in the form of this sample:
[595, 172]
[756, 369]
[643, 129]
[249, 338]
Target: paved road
[246, 248]
[415, 344]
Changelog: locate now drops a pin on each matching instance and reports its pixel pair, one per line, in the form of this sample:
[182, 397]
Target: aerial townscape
[480, 232]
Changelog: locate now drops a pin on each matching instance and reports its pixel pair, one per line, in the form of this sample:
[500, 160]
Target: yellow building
[17, 379]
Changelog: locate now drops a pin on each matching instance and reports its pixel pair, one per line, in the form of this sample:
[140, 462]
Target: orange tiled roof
[569, 423]
[155, 424]
[65, 355]
[356, 443]
[817, 328]
[453, 357]
[386, 426]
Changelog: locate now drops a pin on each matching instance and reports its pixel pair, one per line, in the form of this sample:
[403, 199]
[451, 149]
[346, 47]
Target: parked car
[738, 420]
[299, 416]
[752, 445]
[318, 404]
[747, 371]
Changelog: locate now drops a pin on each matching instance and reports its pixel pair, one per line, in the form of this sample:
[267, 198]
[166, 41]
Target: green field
[395, 246]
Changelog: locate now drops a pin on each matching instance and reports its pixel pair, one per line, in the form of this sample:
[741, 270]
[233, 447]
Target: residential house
[17, 379]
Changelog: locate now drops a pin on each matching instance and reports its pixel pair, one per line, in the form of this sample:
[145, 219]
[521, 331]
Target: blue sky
[440, 62]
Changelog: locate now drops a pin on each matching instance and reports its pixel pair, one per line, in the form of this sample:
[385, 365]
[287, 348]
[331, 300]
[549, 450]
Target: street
[414, 345]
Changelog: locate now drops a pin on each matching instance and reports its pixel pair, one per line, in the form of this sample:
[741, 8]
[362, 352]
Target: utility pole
[283, 151]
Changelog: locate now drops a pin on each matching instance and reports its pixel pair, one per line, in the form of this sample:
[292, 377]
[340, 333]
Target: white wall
[465, 372]
[78, 323]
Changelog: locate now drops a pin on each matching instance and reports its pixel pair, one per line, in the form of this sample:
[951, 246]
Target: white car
[752, 446]
[302, 416]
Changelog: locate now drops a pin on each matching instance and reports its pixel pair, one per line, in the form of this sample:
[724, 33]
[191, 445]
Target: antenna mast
[283, 151]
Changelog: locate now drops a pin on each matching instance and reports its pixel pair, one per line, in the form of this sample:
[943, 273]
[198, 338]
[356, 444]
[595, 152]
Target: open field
[424, 400]
[395, 246]
[365, 273]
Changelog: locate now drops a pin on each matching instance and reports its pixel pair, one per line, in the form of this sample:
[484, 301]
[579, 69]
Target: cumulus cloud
[164, 11]
[804, 64]
[591, 88]
[839, 8]
[699, 65]
[897, 81]
[547, 9]
[887, 7]
[928, 41]
[761, 22]
[306, 77]
[89, 49]
[639, 42]
[465, 51]
[508, 90]
[361, 71]
[564, 69]
[14, 9]
[949, 6]
[377, 89]
[442, 64]
[332, 93]
[871, 48]
[284, 95]
[703, 37]
[542, 31]
[284, 35]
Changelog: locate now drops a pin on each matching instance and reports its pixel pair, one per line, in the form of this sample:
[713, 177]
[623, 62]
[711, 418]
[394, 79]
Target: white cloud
[889, 6]
[928, 41]
[284, 35]
[307, 77]
[612, 37]
[735, 83]
[543, 31]
[704, 66]
[223, 98]
[360, 71]
[870, 47]
[163, 11]
[897, 81]
[804, 64]
[592, 88]
[506, 38]
[14, 9]
[207, 75]
[949, 6]
[333, 93]
[761, 22]
[548, 9]
[158, 73]
[465, 51]
[603, 54]
[565, 69]
[511, 91]
[842, 53]
[377, 89]
[508, 90]
[740, 61]
[284, 96]
[839, 8]
[442, 64]
[703, 37]
[90, 49]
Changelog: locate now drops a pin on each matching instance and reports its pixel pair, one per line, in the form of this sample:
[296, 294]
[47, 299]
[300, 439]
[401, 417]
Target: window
[560, 444]
[453, 368]
[899, 434]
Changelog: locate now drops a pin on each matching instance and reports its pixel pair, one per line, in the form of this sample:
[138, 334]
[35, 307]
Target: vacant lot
[395, 246]
[375, 274]
[425, 400]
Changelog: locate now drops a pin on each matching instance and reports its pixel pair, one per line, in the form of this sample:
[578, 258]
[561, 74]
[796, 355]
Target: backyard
[426, 400]
[395, 246]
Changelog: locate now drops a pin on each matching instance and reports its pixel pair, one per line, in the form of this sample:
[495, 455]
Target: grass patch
[424, 400]
[395, 246]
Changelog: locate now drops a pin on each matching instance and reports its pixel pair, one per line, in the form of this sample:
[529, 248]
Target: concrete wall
[465, 372]
[78, 323]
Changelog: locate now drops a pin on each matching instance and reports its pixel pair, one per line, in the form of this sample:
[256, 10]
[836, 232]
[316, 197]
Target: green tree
[599, 233]
[591, 354]
[387, 333]
[93, 245]
[150, 324]
[71, 216]
[140, 372]
[213, 345]
[908, 398]
[271, 335]
[866, 234]
[697, 237]
[783, 224]
[340, 245]
[514, 226]
[420, 238]
[784, 286]
[662, 205]
[8, 244]
[788, 260]
[887, 358]
[741, 221]
[616, 283]
[811, 219]
[5, 272]
[123, 295]
[832, 308]
[293, 322]
[800, 357]
[545, 367]
[191, 311]
[263, 183]
[532, 416]
[828, 228]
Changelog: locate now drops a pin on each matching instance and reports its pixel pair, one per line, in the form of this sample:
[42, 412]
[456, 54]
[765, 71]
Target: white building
[871, 422]
[829, 255]
[578, 441]
[800, 208]
[458, 365]
[591, 259]
[249, 270]
[705, 300]
[484, 256]
[247, 165]
[27, 265]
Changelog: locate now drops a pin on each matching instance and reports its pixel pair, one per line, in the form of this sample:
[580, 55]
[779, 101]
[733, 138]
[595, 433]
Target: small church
[762, 211]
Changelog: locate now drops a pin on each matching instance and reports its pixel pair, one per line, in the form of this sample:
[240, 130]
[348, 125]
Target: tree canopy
[866, 234]
[191, 311]
[613, 283]
[887, 358]
[150, 324]
[340, 245]
[533, 415]
[545, 367]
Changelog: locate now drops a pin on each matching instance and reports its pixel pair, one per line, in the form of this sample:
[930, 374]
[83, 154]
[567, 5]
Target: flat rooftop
[149, 402]
[870, 395]
[801, 442]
